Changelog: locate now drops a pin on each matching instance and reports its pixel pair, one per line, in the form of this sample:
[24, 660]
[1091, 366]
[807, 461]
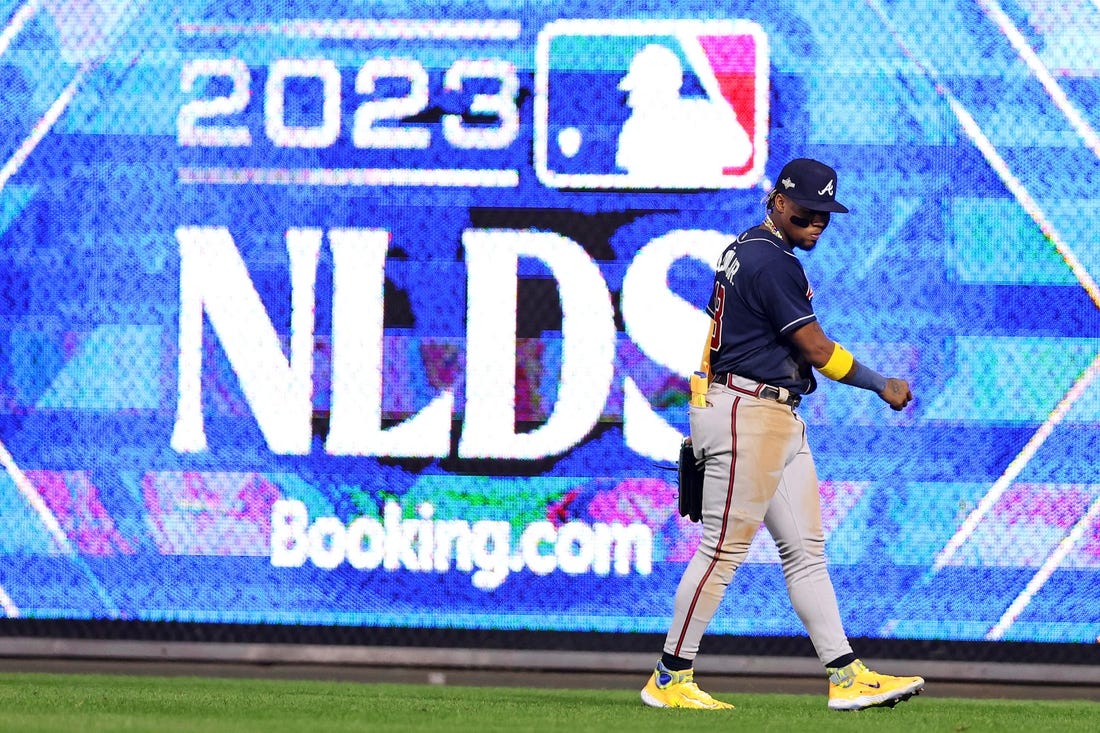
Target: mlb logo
[662, 104]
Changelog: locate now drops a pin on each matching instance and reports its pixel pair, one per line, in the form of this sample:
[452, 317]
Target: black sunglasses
[804, 223]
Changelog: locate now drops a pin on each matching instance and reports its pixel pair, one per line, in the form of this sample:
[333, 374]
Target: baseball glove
[690, 480]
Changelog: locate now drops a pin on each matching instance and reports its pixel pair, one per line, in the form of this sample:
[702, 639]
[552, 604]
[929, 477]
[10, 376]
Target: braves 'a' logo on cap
[828, 190]
[685, 101]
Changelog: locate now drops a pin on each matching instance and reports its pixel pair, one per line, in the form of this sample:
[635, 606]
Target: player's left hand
[897, 393]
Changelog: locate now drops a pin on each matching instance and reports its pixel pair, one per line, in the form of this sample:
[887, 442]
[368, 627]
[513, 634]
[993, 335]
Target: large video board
[381, 313]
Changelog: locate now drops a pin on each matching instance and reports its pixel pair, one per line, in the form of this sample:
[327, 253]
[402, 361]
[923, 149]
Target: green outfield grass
[33, 703]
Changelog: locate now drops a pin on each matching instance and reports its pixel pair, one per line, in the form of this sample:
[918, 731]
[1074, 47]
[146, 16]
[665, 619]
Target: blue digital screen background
[261, 263]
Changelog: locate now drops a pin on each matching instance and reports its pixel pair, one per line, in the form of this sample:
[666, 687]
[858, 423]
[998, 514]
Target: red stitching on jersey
[722, 534]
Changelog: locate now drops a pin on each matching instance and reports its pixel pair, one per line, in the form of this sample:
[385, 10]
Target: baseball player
[671, 139]
[764, 343]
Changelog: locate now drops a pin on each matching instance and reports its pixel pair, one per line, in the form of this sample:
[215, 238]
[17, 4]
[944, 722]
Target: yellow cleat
[855, 687]
[668, 689]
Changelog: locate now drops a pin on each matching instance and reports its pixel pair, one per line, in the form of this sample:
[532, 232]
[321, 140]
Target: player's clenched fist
[896, 393]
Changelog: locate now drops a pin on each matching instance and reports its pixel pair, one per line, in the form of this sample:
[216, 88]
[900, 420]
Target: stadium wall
[362, 331]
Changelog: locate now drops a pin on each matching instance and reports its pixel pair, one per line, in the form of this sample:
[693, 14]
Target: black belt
[763, 391]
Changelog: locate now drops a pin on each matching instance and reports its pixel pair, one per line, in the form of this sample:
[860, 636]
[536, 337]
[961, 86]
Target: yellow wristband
[839, 364]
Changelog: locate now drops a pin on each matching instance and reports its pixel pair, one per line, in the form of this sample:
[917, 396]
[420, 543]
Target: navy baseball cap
[810, 183]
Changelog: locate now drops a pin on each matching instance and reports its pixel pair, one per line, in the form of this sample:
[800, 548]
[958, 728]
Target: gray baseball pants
[758, 468]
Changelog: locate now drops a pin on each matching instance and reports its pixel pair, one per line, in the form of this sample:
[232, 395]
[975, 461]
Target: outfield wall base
[517, 660]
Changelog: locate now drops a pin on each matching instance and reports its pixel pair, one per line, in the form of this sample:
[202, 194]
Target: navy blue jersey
[761, 295]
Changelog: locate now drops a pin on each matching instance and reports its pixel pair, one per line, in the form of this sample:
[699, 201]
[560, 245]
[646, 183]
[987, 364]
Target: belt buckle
[784, 397]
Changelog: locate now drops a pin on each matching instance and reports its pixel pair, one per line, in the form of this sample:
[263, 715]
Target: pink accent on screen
[645, 500]
[838, 498]
[560, 512]
[1031, 504]
[529, 354]
[733, 59]
[1089, 551]
[195, 513]
[730, 54]
[683, 537]
[74, 500]
[444, 362]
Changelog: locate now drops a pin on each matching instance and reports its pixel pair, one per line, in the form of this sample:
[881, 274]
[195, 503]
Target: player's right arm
[835, 362]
